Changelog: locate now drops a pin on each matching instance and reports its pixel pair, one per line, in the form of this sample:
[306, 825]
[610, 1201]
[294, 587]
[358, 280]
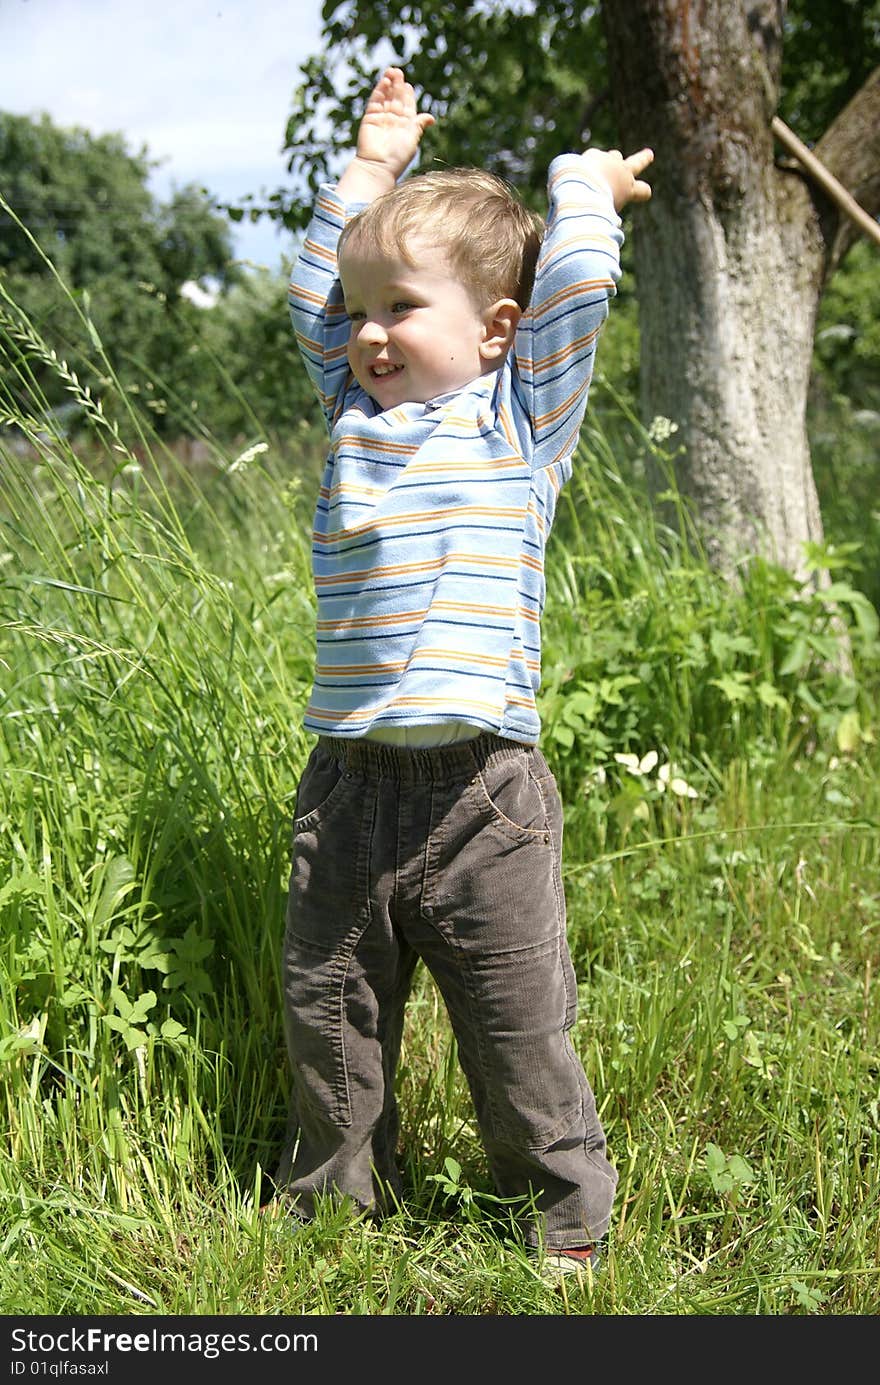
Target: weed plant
[715, 747]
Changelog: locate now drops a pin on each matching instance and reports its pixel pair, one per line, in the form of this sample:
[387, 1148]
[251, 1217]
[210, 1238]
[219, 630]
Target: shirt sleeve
[320, 322]
[577, 273]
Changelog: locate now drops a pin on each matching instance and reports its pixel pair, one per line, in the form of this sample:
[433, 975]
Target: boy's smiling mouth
[382, 368]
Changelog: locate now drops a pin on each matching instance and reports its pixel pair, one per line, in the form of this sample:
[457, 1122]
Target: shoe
[583, 1261]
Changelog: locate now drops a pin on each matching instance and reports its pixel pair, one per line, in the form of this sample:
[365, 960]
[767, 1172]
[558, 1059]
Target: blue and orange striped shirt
[432, 518]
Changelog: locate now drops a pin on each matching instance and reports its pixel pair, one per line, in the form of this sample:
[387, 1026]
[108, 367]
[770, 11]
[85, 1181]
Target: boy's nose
[373, 333]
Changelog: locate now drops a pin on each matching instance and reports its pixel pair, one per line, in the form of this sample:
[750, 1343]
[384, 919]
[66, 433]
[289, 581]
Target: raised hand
[388, 136]
[622, 174]
[391, 127]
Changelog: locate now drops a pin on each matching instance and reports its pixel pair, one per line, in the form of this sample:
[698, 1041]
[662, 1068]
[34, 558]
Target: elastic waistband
[418, 764]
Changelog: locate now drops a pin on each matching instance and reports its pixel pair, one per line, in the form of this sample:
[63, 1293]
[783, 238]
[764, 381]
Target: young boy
[427, 823]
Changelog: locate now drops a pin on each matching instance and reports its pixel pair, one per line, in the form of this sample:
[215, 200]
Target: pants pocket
[314, 994]
[506, 791]
[323, 786]
[527, 1077]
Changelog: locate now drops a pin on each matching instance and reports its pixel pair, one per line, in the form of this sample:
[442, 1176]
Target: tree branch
[850, 151]
[827, 182]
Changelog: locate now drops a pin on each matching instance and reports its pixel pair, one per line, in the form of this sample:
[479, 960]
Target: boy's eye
[401, 307]
[356, 316]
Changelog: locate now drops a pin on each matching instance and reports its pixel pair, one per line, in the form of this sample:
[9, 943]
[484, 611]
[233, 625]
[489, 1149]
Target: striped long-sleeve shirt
[432, 518]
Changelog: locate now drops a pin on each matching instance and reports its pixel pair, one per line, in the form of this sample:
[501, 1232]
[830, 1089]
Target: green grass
[155, 657]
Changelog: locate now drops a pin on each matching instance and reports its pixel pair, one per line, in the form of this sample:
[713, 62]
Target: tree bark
[731, 255]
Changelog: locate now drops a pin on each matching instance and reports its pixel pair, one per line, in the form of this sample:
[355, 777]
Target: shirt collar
[481, 384]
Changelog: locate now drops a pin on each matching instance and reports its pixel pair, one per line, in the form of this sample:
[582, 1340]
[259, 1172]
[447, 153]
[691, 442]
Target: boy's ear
[500, 321]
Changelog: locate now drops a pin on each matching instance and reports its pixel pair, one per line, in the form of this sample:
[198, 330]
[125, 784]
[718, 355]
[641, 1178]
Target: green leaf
[795, 659]
[849, 732]
[752, 1054]
[583, 704]
[611, 688]
[770, 696]
[716, 1161]
[733, 1028]
[723, 645]
[14, 1045]
[808, 1298]
[142, 1006]
[27, 883]
[740, 1171]
[627, 805]
[453, 1168]
[735, 686]
[133, 1012]
[116, 880]
[196, 982]
[192, 947]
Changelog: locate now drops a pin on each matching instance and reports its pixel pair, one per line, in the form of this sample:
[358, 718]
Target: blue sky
[205, 84]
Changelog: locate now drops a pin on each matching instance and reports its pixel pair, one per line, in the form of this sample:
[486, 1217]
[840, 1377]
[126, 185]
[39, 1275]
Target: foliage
[830, 48]
[513, 85]
[646, 656]
[844, 413]
[84, 238]
[248, 334]
[848, 331]
[226, 371]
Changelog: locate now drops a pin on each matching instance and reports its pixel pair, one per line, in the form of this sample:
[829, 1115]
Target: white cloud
[201, 298]
[225, 144]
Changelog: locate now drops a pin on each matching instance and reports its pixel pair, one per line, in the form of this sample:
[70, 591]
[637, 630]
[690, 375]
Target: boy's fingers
[380, 91]
[639, 161]
[393, 86]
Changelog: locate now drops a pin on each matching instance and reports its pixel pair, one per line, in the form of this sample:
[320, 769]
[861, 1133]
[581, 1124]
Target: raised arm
[576, 275]
[388, 138]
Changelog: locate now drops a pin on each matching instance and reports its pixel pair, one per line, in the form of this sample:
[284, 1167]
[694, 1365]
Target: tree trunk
[730, 257]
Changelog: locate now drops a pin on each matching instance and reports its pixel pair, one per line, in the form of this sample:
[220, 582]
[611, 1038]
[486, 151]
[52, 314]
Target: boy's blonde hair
[490, 239]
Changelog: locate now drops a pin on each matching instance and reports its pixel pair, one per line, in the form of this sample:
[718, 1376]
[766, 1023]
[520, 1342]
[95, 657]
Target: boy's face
[415, 330]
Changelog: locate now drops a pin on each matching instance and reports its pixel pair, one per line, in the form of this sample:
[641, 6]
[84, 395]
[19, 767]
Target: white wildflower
[247, 456]
[661, 429]
[637, 766]
[668, 778]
